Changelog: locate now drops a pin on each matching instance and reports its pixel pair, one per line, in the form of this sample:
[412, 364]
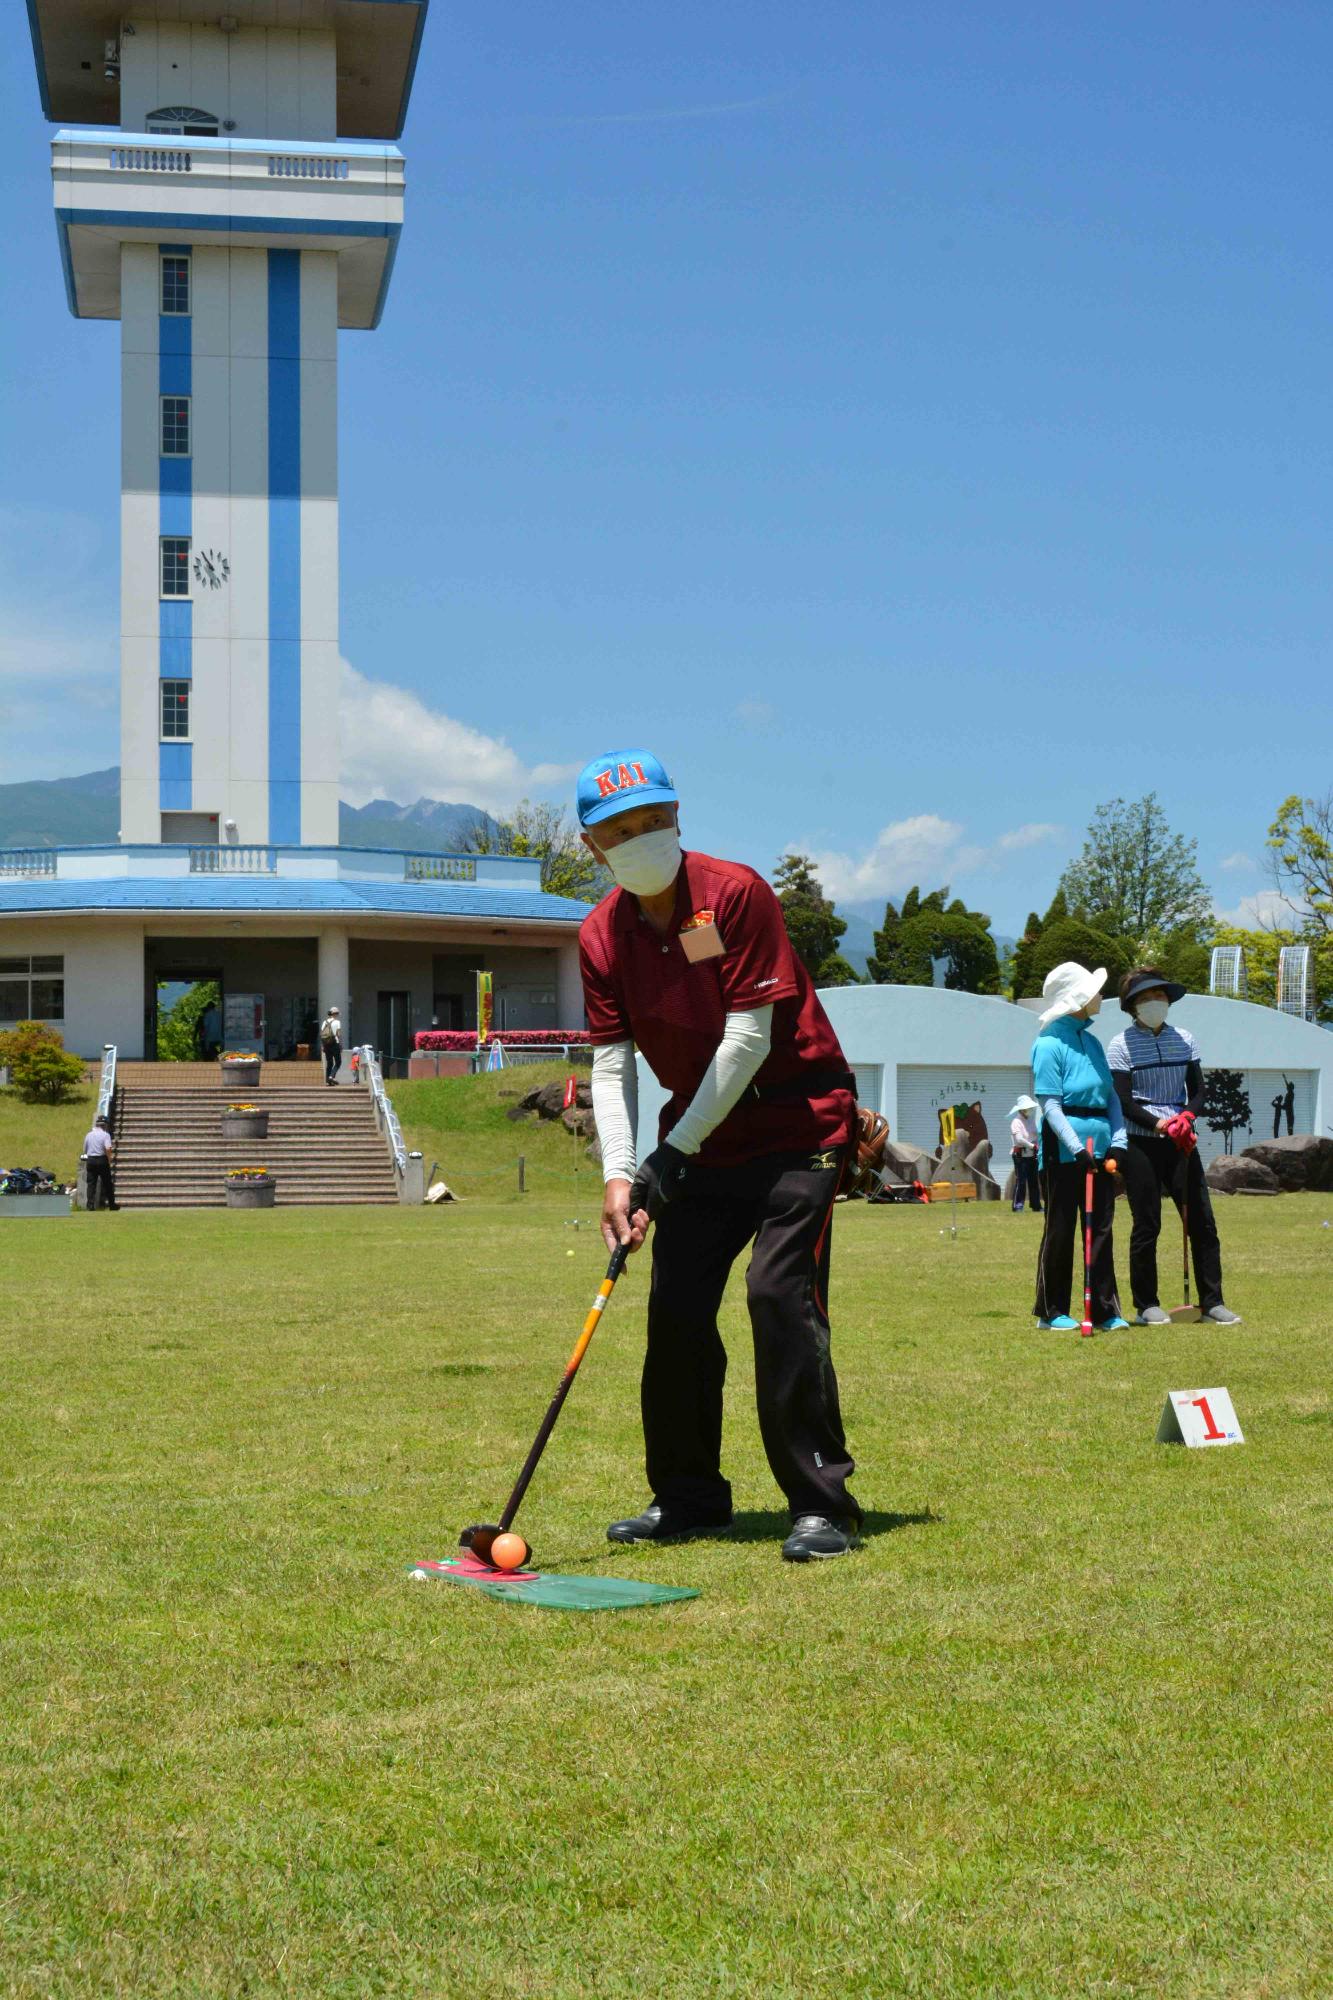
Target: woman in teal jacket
[1072, 1082]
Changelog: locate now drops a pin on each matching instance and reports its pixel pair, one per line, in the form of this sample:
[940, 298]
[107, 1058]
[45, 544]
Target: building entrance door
[392, 1030]
[185, 1015]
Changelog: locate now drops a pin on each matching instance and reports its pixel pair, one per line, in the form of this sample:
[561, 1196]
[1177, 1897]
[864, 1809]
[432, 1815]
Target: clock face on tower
[211, 569]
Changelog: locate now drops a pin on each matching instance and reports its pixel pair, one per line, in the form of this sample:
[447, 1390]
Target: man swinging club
[689, 961]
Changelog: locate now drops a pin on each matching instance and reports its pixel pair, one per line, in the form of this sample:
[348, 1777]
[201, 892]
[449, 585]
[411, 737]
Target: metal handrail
[107, 1088]
[386, 1116]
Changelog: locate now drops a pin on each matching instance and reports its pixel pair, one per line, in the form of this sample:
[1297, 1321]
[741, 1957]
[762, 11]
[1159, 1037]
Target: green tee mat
[551, 1592]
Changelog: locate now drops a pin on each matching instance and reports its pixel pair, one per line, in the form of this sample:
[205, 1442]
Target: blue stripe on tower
[284, 546]
[175, 626]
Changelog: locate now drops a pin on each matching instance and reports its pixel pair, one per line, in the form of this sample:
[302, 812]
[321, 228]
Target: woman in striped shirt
[1159, 1080]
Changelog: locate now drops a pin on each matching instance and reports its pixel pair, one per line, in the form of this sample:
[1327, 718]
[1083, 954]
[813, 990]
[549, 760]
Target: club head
[1185, 1315]
[1086, 1330]
[477, 1539]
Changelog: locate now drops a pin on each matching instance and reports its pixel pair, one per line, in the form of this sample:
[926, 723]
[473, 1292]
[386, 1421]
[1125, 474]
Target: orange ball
[509, 1552]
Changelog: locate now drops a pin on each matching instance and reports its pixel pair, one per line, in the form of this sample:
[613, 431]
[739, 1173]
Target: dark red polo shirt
[639, 986]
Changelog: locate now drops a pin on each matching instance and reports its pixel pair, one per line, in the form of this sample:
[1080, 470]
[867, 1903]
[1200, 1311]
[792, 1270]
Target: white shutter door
[924, 1090]
[869, 1085]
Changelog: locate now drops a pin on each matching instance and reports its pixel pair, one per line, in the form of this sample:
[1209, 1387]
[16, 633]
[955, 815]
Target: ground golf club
[1187, 1314]
[479, 1540]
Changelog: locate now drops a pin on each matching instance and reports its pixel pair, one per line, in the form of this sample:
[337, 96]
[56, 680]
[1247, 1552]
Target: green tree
[24, 1038]
[836, 971]
[1069, 938]
[928, 930]
[546, 833]
[1020, 965]
[1226, 1103]
[1135, 879]
[813, 925]
[882, 963]
[1300, 842]
[178, 1029]
[47, 1074]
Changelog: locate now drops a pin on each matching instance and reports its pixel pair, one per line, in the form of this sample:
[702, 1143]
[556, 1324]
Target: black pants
[784, 1206]
[1026, 1181]
[1156, 1166]
[1063, 1184]
[333, 1055]
[100, 1181]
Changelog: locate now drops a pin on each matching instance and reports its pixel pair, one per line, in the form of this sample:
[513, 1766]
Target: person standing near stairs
[99, 1150]
[331, 1041]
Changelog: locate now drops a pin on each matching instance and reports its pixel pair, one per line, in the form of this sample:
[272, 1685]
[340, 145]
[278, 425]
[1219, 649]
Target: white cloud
[925, 849]
[1262, 911]
[1033, 834]
[1238, 863]
[394, 746]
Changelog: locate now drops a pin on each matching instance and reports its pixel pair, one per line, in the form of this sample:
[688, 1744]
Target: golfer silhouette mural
[688, 961]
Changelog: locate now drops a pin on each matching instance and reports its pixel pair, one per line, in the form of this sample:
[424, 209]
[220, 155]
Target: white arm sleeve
[745, 1042]
[615, 1106]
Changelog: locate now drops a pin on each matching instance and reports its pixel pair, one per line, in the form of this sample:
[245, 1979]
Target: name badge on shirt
[700, 938]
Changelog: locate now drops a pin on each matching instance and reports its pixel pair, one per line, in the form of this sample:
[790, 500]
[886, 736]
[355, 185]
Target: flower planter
[245, 1124]
[252, 1193]
[240, 1075]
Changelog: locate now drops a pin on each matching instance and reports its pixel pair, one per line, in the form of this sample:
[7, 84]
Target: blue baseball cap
[624, 778]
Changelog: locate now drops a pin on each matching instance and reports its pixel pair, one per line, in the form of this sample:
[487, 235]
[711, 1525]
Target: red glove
[1180, 1130]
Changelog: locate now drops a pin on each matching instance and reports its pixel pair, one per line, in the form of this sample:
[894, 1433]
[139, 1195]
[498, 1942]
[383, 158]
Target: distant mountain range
[69, 812]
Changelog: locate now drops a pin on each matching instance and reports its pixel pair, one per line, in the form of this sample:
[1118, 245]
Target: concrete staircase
[323, 1146]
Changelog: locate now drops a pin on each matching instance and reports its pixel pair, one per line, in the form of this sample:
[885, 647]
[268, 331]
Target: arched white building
[919, 1049]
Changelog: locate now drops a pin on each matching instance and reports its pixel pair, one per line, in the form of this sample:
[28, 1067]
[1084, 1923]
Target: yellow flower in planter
[245, 1107]
[247, 1173]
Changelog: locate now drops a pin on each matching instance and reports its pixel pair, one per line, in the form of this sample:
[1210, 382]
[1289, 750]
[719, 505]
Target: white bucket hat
[1068, 988]
[1023, 1103]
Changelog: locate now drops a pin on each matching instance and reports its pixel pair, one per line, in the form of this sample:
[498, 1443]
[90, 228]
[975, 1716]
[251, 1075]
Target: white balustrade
[439, 868]
[306, 167]
[150, 160]
[233, 861]
[27, 861]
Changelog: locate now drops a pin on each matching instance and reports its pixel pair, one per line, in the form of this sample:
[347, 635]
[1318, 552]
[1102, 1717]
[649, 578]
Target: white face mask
[648, 864]
[1153, 1013]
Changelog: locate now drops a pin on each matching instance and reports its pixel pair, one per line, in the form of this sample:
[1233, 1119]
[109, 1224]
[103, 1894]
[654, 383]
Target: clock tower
[227, 187]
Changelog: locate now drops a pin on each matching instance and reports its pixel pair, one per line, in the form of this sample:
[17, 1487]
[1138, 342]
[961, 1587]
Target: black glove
[659, 1178]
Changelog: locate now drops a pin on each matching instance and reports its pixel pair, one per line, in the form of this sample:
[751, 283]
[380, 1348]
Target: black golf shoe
[664, 1524]
[814, 1536]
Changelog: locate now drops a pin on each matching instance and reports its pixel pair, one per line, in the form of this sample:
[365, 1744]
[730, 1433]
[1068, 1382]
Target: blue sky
[911, 421]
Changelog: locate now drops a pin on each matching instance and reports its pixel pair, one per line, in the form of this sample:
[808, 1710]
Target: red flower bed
[460, 1041]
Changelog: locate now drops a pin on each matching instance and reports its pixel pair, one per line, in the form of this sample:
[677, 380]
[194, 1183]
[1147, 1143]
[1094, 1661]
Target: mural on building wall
[954, 1106]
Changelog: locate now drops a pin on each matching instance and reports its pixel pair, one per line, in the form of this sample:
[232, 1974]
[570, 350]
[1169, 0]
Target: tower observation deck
[227, 186]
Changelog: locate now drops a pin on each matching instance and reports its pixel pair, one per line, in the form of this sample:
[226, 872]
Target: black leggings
[1063, 1184]
[1154, 1167]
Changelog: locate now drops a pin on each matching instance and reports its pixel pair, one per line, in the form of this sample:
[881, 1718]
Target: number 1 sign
[1199, 1416]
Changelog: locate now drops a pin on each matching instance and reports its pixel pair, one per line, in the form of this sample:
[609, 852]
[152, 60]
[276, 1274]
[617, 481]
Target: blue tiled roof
[258, 892]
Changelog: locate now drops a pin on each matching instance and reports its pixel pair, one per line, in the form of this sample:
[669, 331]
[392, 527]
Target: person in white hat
[1023, 1153]
[1074, 1087]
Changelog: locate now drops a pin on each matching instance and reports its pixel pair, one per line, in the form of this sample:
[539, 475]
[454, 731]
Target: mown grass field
[45, 1135]
[1063, 1727]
